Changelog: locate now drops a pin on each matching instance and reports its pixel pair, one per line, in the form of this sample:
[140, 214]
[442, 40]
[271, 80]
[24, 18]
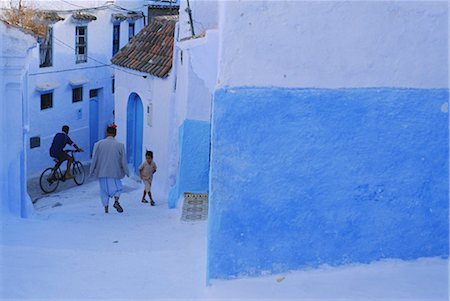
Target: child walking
[146, 171]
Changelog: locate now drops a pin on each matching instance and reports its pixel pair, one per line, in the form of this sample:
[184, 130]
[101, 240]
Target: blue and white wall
[155, 94]
[66, 74]
[329, 135]
[195, 62]
[15, 48]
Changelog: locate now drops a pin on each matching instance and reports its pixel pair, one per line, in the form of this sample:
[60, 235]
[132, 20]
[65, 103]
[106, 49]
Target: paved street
[35, 192]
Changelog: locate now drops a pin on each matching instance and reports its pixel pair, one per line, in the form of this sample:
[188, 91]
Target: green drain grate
[195, 207]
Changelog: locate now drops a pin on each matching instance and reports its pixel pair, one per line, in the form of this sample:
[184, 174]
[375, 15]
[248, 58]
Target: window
[93, 93]
[46, 50]
[130, 31]
[81, 44]
[35, 141]
[116, 38]
[46, 101]
[113, 86]
[77, 94]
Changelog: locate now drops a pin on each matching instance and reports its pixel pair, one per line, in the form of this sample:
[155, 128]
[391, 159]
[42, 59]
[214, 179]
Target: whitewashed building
[176, 107]
[15, 54]
[329, 135]
[70, 79]
[196, 67]
[329, 129]
[145, 85]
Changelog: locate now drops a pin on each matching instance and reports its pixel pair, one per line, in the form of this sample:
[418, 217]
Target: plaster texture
[195, 62]
[329, 135]
[193, 172]
[205, 16]
[334, 44]
[305, 177]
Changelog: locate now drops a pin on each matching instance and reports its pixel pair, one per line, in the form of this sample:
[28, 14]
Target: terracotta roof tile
[151, 50]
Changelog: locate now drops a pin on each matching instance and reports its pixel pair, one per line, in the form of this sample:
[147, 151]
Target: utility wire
[88, 67]
[72, 69]
[102, 63]
[76, 5]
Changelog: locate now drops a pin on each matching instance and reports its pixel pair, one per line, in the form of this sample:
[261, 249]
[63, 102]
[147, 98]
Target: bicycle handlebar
[74, 150]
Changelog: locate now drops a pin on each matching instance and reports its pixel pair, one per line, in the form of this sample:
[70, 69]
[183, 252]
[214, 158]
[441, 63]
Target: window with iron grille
[46, 50]
[116, 38]
[130, 31]
[81, 44]
[77, 94]
[46, 101]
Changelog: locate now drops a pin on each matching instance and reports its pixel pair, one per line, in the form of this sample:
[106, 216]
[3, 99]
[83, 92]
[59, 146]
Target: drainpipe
[189, 11]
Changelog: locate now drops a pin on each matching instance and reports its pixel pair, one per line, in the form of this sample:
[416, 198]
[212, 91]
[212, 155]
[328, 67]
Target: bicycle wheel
[78, 172]
[47, 181]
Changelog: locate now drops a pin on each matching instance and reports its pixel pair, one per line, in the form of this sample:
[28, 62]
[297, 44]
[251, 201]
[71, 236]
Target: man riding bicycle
[57, 150]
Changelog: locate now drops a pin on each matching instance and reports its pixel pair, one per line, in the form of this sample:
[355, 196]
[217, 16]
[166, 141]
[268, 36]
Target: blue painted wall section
[304, 177]
[193, 172]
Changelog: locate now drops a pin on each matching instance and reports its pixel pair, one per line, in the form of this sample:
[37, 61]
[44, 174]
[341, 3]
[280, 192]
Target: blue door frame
[135, 128]
[93, 122]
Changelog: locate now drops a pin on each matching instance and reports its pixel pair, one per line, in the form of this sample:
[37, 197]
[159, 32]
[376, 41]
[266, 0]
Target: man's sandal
[118, 207]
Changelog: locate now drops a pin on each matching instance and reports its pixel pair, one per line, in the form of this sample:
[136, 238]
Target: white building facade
[195, 65]
[143, 98]
[329, 135]
[15, 54]
[70, 79]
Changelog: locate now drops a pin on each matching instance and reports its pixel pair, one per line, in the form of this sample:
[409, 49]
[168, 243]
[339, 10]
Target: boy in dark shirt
[57, 149]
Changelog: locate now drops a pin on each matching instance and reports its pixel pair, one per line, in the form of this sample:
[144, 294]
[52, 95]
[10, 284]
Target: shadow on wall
[193, 171]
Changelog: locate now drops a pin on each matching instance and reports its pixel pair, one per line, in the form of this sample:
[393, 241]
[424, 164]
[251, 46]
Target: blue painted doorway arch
[135, 129]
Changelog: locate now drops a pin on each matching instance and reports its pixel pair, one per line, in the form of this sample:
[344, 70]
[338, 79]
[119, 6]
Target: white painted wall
[195, 65]
[14, 58]
[334, 44]
[205, 15]
[196, 69]
[156, 92]
[97, 72]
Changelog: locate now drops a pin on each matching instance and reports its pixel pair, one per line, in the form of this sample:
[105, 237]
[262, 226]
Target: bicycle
[51, 176]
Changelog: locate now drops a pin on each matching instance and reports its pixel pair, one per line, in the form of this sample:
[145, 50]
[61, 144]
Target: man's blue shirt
[59, 142]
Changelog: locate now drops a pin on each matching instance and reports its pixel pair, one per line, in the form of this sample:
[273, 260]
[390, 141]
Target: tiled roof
[151, 50]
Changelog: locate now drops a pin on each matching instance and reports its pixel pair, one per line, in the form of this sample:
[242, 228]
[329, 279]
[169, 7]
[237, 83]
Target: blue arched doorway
[135, 128]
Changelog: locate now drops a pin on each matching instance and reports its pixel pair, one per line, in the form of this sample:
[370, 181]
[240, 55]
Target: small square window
[93, 93]
[77, 94]
[46, 101]
[35, 141]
